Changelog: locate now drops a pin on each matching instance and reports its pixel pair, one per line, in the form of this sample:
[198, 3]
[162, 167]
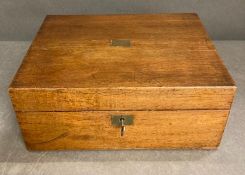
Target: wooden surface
[166, 51]
[152, 129]
[170, 78]
[71, 65]
[80, 99]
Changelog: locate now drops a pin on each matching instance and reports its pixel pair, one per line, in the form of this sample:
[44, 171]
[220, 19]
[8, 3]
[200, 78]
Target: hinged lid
[121, 62]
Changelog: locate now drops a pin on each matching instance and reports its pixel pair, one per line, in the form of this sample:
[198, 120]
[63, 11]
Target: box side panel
[150, 130]
[121, 99]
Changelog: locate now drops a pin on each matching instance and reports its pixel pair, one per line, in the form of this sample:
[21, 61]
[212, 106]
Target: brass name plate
[121, 42]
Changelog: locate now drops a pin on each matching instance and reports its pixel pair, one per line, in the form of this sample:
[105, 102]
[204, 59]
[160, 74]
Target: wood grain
[166, 51]
[80, 99]
[151, 129]
[170, 78]
[71, 65]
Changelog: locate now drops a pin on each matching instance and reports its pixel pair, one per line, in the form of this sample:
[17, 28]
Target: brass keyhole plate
[127, 120]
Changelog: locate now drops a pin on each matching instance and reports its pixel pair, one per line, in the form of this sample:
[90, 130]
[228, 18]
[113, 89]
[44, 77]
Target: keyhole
[122, 126]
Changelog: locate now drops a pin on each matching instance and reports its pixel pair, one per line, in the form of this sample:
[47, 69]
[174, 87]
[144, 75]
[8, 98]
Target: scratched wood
[151, 129]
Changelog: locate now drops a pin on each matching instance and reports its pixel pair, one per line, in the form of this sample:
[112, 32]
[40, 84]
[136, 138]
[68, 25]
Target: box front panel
[150, 129]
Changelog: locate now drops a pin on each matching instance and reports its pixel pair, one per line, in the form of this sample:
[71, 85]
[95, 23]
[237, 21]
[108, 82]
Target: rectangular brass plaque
[121, 42]
[128, 120]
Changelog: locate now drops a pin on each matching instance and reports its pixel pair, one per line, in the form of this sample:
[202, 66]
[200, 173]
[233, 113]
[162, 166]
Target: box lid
[76, 59]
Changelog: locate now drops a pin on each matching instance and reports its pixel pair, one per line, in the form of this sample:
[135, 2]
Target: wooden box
[122, 82]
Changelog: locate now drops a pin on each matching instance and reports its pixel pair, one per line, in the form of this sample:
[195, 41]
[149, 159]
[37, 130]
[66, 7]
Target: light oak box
[122, 82]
